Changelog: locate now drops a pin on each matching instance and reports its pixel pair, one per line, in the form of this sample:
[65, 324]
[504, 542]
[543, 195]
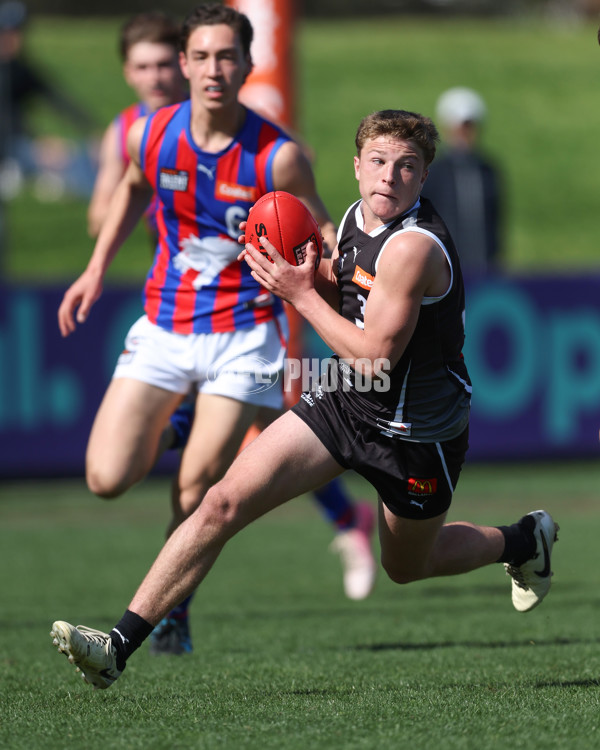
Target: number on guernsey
[233, 216]
[360, 322]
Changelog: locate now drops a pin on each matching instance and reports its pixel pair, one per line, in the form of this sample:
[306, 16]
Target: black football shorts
[414, 480]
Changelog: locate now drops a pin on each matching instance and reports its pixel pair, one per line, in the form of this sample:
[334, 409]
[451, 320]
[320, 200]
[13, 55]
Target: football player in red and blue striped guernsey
[149, 49]
[208, 325]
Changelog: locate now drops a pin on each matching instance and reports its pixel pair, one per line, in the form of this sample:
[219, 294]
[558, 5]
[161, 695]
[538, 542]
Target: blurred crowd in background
[56, 166]
[464, 183]
[335, 8]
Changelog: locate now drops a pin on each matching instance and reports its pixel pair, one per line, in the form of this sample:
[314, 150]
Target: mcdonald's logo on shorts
[422, 487]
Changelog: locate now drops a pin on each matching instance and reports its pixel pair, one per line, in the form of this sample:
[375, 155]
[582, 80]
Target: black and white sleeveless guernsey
[429, 395]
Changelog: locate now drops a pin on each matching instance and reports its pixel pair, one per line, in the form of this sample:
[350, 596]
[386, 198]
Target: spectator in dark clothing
[20, 82]
[464, 185]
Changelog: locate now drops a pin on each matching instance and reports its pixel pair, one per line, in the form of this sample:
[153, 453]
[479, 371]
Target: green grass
[540, 81]
[282, 659]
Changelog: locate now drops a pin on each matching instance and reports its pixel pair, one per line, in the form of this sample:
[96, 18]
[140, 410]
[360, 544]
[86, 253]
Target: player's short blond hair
[400, 125]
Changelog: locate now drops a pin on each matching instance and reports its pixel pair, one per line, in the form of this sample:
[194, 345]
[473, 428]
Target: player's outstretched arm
[110, 172]
[129, 202]
[77, 301]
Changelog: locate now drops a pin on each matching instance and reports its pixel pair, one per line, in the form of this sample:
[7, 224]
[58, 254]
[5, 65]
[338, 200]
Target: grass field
[540, 81]
[282, 659]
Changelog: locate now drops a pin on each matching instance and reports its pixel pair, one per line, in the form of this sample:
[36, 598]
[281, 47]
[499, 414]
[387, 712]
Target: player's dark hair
[154, 27]
[211, 14]
[401, 125]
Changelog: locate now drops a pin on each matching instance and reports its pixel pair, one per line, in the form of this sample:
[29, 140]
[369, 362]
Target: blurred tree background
[344, 8]
[535, 63]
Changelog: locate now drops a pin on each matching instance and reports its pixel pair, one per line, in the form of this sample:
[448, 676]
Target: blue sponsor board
[533, 352]
[532, 348]
[51, 387]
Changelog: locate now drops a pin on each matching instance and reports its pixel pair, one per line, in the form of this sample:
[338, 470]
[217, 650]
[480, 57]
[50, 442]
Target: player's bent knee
[189, 498]
[219, 509]
[402, 574]
[104, 485]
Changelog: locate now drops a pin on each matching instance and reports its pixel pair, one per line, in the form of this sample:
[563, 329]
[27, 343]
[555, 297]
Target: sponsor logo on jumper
[362, 278]
[173, 179]
[228, 191]
[422, 487]
[208, 171]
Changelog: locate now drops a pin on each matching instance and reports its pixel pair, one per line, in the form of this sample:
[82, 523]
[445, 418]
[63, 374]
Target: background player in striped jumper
[394, 406]
[149, 49]
[149, 45]
[208, 324]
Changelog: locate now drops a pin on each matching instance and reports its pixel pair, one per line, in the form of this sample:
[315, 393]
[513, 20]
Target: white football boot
[531, 580]
[91, 651]
[354, 549]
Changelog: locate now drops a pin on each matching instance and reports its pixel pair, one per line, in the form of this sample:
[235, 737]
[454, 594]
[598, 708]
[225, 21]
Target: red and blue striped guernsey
[196, 284]
[123, 121]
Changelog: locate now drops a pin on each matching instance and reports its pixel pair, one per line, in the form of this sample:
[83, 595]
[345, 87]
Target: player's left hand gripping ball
[288, 225]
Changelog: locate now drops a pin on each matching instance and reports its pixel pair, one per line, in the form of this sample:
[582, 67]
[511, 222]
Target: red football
[287, 224]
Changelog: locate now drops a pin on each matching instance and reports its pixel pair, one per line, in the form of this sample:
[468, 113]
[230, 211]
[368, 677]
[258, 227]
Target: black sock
[519, 541]
[128, 635]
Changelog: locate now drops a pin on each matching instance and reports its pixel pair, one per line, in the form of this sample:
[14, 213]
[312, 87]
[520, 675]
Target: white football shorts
[246, 365]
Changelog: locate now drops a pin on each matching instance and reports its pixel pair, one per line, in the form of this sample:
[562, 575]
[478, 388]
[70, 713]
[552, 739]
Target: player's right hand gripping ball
[288, 225]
